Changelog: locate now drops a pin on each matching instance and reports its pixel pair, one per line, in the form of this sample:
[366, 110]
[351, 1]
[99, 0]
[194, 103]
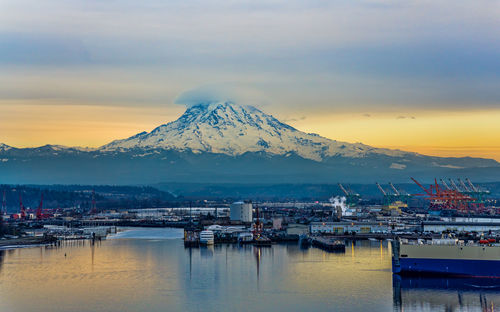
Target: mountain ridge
[204, 128]
[228, 128]
[226, 142]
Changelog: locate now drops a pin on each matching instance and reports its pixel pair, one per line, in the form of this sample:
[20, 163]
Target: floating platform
[262, 241]
[328, 244]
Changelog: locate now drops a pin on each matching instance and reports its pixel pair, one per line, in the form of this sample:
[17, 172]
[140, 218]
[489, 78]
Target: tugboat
[262, 241]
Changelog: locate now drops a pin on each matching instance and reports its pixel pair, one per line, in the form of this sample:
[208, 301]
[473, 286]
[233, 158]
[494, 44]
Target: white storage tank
[241, 211]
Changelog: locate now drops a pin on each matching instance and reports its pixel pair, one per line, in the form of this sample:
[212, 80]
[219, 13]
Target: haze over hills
[221, 141]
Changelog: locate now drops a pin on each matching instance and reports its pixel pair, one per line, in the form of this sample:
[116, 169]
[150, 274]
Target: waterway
[150, 270]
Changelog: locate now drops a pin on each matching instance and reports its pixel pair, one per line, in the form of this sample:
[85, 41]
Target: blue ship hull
[454, 267]
[463, 283]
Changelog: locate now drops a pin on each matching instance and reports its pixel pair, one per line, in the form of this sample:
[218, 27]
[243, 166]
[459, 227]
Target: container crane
[478, 193]
[445, 185]
[352, 198]
[472, 186]
[454, 186]
[400, 195]
[394, 189]
[381, 189]
[387, 197]
[444, 199]
[394, 200]
[343, 189]
[464, 187]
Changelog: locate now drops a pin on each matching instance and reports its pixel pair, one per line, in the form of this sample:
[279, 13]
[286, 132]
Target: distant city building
[461, 226]
[277, 223]
[241, 211]
[349, 227]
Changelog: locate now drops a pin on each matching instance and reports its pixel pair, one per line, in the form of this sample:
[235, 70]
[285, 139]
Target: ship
[206, 237]
[245, 238]
[446, 256]
[262, 241]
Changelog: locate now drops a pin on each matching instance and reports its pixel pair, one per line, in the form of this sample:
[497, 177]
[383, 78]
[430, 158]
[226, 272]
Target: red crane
[4, 203]
[93, 209]
[442, 198]
[21, 207]
[257, 230]
[39, 212]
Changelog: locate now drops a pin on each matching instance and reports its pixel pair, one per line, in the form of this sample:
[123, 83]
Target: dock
[25, 241]
[328, 244]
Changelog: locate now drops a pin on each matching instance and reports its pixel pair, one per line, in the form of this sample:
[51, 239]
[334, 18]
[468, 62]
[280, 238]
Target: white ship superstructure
[207, 237]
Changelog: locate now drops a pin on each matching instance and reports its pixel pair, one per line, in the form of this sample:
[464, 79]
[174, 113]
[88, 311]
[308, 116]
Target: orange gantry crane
[446, 198]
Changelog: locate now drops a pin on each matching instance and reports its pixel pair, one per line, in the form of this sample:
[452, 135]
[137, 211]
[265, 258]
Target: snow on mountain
[232, 129]
[4, 147]
[49, 147]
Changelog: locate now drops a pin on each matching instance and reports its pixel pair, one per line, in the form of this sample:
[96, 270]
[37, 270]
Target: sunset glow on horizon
[81, 73]
[434, 133]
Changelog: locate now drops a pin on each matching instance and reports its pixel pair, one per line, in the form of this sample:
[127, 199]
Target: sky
[421, 75]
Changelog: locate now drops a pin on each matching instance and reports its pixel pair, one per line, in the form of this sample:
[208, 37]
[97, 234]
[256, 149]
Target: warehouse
[440, 226]
[348, 227]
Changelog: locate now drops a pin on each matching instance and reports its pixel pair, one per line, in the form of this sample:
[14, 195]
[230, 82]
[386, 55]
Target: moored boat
[262, 241]
[245, 238]
[206, 237]
[447, 257]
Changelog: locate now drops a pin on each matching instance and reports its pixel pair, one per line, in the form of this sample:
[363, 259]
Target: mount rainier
[221, 141]
[227, 128]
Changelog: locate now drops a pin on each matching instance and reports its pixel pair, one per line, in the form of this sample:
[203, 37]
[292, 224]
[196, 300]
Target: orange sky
[462, 133]
[88, 72]
[466, 133]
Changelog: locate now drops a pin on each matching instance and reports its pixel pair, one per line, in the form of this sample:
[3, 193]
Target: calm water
[149, 270]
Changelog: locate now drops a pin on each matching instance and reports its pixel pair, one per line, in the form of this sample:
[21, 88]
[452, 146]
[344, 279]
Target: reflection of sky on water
[147, 233]
[445, 294]
[160, 274]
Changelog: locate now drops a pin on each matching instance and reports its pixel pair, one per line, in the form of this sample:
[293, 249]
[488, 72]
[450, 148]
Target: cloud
[18, 48]
[406, 117]
[306, 54]
[367, 115]
[221, 92]
[294, 119]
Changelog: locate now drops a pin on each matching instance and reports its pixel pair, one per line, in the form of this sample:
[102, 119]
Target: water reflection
[257, 253]
[207, 251]
[2, 256]
[152, 274]
[445, 294]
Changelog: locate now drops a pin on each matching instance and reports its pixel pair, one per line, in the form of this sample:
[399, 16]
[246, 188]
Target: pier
[328, 244]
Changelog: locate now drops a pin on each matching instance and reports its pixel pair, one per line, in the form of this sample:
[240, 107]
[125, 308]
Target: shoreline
[24, 242]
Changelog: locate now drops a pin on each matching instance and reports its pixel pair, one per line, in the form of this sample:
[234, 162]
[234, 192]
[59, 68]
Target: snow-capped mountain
[215, 142]
[231, 129]
[4, 147]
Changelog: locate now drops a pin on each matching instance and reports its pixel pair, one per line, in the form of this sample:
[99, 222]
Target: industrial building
[440, 226]
[241, 211]
[348, 227]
